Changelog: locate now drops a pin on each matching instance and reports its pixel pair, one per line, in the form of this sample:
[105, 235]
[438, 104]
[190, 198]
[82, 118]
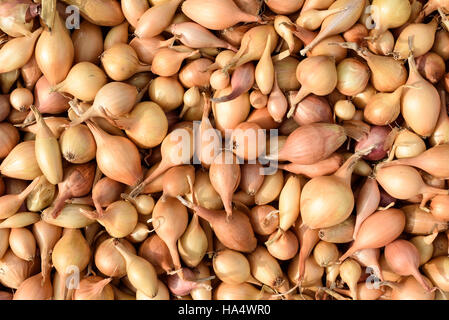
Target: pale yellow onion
[155, 19]
[436, 271]
[21, 162]
[383, 44]
[162, 293]
[100, 12]
[48, 153]
[146, 125]
[14, 28]
[253, 45]
[202, 293]
[387, 74]
[196, 73]
[46, 236]
[423, 39]
[16, 53]
[22, 243]
[317, 75]
[108, 259]
[231, 267]
[55, 52]
[383, 108]
[78, 144]
[243, 291]
[20, 220]
[114, 99]
[167, 61]
[265, 268]
[289, 202]
[350, 272]
[353, 76]
[192, 97]
[313, 18]
[256, 98]
[316, 4]
[119, 218]
[69, 217]
[21, 99]
[344, 109]
[141, 273]
[83, 81]
[133, 10]
[421, 120]
[389, 14]
[117, 34]
[144, 204]
[205, 193]
[72, 250]
[264, 73]
[167, 92]
[121, 62]
[139, 234]
[229, 114]
[192, 245]
[338, 22]
[407, 145]
[270, 189]
[281, 24]
[325, 253]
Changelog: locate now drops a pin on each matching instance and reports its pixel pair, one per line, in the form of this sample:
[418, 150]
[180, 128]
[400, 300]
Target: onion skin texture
[439, 206]
[436, 271]
[154, 20]
[55, 52]
[403, 258]
[216, 14]
[101, 12]
[432, 161]
[421, 120]
[48, 101]
[318, 210]
[87, 33]
[338, 22]
[393, 221]
[420, 222]
[21, 162]
[25, 45]
[328, 138]
[132, 169]
[390, 178]
[156, 252]
[235, 233]
[34, 288]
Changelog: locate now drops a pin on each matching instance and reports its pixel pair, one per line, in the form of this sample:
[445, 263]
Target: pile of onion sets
[224, 150]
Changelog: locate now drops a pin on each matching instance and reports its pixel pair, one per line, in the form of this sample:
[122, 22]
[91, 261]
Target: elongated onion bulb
[55, 52]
